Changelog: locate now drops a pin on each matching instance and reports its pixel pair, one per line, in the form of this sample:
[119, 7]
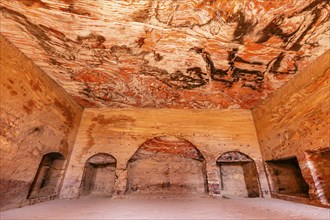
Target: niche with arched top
[99, 175]
[238, 175]
[167, 166]
[48, 177]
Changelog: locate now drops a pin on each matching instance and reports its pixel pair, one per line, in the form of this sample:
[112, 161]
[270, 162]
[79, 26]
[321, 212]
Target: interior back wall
[120, 133]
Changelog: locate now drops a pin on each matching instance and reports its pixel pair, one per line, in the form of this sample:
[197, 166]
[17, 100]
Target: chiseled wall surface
[296, 120]
[120, 132]
[37, 117]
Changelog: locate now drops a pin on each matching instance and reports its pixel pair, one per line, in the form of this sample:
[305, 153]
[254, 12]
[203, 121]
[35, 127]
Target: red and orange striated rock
[169, 54]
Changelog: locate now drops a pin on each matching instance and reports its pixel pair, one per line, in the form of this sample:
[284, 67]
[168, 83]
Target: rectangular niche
[238, 179]
[101, 178]
[285, 178]
[48, 177]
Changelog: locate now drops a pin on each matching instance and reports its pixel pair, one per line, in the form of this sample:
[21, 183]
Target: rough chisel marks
[168, 54]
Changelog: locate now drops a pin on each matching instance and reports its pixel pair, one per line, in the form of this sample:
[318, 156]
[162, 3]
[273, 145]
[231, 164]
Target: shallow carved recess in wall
[167, 146]
[99, 175]
[166, 164]
[173, 54]
[233, 156]
[101, 158]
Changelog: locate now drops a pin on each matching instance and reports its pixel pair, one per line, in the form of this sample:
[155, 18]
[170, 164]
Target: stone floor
[172, 208]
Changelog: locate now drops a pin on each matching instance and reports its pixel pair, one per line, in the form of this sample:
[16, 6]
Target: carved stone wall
[37, 117]
[120, 132]
[295, 121]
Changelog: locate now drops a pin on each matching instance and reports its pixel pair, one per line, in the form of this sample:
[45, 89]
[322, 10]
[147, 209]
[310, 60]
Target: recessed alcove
[238, 175]
[285, 177]
[99, 175]
[166, 166]
[48, 177]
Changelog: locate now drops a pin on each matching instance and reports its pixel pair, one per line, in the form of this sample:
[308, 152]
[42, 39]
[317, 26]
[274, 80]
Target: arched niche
[48, 177]
[238, 175]
[167, 165]
[99, 175]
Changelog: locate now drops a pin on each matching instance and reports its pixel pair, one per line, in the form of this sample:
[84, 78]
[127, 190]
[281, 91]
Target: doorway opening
[99, 175]
[48, 177]
[238, 175]
[168, 166]
[285, 177]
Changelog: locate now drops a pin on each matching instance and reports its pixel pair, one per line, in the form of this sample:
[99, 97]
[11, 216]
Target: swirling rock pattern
[209, 54]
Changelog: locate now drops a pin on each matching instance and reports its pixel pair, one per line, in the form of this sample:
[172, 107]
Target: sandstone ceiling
[168, 53]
